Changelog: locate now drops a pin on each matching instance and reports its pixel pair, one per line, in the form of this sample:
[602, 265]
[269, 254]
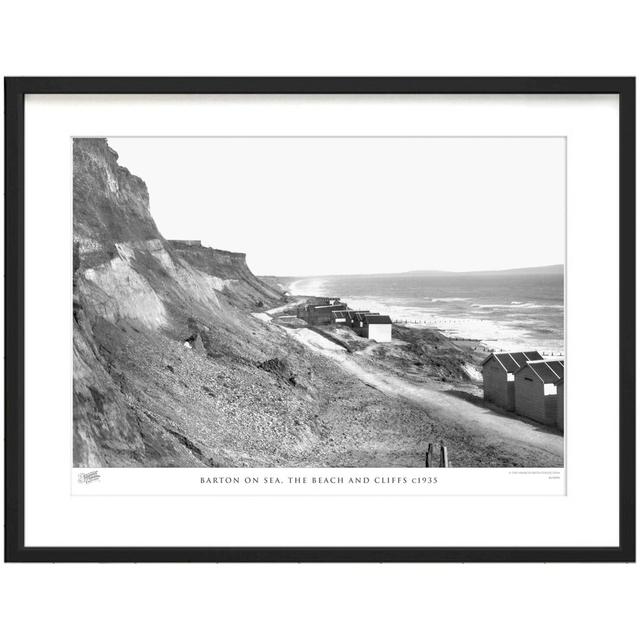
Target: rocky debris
[194, 342]
[280, 368]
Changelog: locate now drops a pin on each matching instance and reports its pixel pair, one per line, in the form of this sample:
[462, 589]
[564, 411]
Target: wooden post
[444, 456]
[429, 460]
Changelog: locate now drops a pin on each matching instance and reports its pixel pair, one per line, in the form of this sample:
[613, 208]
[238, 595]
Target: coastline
[424, 378]
[504, 333]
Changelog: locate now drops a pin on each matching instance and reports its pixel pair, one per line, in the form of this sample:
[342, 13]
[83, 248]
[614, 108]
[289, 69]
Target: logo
[87, 478]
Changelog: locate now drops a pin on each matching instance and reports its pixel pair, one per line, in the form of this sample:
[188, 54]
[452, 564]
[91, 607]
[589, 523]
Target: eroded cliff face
[237, 282]
[131, 284]
[103, 192]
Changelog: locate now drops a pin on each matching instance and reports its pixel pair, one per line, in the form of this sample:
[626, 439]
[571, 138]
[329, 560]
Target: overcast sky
[315, 206]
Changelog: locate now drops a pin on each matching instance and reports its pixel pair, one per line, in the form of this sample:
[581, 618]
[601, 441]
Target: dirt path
[492, 427]
[265, 317]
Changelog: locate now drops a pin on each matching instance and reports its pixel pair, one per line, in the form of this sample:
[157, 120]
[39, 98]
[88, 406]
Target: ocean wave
[518, 305]
[510, 326]
[492, 306]
[533, 305]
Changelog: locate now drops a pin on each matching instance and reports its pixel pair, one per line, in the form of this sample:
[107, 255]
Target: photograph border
[15, 91]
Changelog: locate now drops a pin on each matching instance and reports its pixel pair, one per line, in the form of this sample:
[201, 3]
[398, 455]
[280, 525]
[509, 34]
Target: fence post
[429, 460]
[444, 456]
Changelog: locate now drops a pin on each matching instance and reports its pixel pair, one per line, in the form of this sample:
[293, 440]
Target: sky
[320, 206]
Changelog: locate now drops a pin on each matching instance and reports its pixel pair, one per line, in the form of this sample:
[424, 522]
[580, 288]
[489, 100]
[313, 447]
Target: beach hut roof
[361, 315]
[547, 371]
[377, 319]
[514, 360]
[337, 307]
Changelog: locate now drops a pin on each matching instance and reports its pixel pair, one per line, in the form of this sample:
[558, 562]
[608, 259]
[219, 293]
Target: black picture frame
[15, 91]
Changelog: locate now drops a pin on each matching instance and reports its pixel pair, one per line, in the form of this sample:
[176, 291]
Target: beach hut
[377, 327]
[339, 317]
[536, 390]
[560, 405]
[352, 314]
[357, 322]
[498, 376]
[321, 314]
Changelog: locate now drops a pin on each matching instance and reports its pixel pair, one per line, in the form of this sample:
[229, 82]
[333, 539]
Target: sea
[505, 311]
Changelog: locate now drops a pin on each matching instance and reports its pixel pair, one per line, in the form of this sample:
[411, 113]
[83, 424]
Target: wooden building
[560, 405]
[357, 322]
[498, 376]
[319, 301]
[536, 390]
[319, 314]
[340, 317]
[377, 327]
[365, 323]
[347, 317]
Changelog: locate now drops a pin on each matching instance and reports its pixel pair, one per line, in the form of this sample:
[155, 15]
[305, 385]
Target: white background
[332, 38]
[513, 188]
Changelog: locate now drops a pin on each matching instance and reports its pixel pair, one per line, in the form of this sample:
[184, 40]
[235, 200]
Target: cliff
[240, 285]
[102, 192]
[130, 284]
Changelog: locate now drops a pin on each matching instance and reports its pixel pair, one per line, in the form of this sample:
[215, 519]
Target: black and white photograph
[320, 320]
[320, 302]
[332, 326]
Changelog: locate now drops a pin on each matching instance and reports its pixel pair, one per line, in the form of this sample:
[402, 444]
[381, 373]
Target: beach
[504, 313]
[425, 380]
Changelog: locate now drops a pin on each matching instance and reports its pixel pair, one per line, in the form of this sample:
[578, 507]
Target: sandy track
[265, 317]
[479, 421]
